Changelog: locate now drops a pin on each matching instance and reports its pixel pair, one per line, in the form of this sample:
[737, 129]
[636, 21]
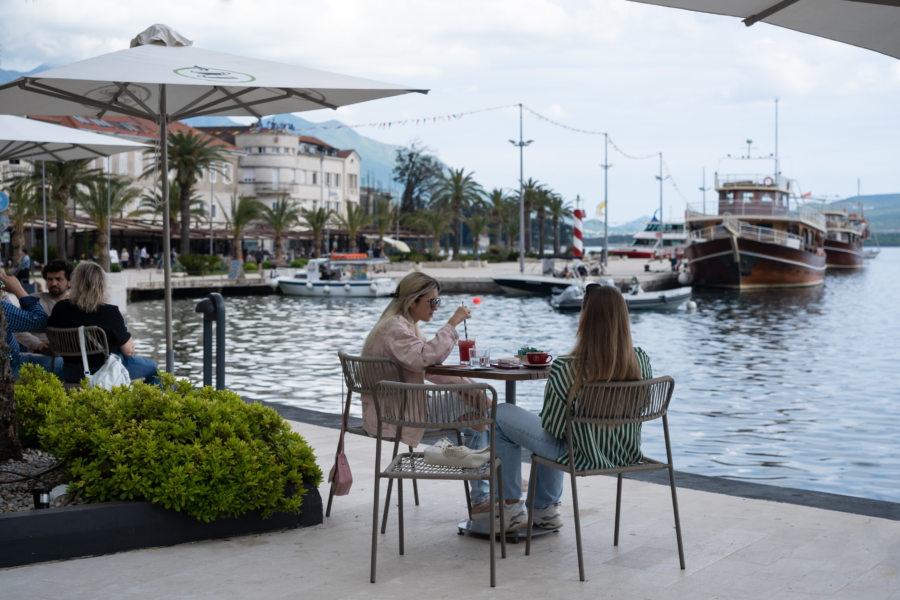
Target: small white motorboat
[339, 275]
[636, 298]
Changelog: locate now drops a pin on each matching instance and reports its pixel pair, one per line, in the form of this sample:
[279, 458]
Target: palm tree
[93, 201]
[151, 204]
[64, 178]
[496, 202]
[243, 212]
[190, 155]
[510, 219]
[541, 199]
[384, 217]
[280, 217]
[530, 190]
[558, 209]
[458, 190]
[435, 222]
[355, 219]
[478, 224]
[24, 207]
[316, 220]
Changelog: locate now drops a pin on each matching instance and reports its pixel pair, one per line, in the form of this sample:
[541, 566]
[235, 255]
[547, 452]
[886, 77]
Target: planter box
[92, 529]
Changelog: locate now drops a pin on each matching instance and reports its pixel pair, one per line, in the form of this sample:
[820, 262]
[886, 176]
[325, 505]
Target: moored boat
[844, 239]
[761, 236]
[636, 298]
[646, 243]
[339, 275]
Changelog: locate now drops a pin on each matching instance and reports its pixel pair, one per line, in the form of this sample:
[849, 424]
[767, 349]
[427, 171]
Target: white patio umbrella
[163, 78]
[29, 139]
[871, 24]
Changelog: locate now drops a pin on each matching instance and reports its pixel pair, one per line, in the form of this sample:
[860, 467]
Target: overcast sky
[693, 87]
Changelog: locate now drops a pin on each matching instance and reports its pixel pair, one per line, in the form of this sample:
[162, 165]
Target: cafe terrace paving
[734, 547]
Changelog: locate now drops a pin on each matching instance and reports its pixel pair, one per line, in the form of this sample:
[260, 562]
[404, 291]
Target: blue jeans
[479, 490]
[43, 361]
[518, 428]
[136, 366]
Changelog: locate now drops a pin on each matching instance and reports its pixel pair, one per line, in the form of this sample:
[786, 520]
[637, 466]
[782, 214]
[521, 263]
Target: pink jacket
[397, 340]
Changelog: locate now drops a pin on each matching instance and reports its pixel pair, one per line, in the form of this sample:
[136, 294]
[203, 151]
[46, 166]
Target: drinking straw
[465, 327]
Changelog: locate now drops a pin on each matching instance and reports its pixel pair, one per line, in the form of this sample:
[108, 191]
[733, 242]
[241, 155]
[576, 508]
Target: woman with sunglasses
[603, 352]
[397, 335]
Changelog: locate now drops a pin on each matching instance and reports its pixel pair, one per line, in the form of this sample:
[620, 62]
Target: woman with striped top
[603, 352]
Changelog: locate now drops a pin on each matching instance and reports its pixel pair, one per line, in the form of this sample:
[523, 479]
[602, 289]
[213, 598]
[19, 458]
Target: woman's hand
[461, 314]
[12, 284]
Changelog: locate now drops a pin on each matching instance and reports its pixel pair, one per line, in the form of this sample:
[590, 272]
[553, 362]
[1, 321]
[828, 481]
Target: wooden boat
[338, 275]
[646, 243]
[844, 239]
[760, 237]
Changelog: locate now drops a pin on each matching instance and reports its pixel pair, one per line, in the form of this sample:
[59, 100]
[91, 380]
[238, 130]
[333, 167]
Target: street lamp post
[606, 167]
[521, 144]
[211, 209]
[661, 179]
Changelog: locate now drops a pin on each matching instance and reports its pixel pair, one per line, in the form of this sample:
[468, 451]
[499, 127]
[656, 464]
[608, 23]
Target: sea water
[793, 388]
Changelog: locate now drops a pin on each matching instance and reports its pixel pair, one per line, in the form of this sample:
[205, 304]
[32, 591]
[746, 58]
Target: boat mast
[776, 144]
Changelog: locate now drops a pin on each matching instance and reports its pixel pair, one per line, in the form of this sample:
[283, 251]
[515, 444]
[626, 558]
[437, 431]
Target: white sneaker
[548, 517]
[515, 516]
[482, 510]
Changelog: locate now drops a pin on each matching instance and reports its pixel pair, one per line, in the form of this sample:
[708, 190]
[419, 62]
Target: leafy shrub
[37, 253]
[115, 267]
[299, 263]
[249, 267]
[36, 391]
[213, 263]
[194, 264]
[199, 451]
[266, 264]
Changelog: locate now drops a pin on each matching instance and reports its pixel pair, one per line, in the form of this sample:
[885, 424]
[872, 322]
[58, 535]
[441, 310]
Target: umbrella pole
[44, 197]
[167, 243]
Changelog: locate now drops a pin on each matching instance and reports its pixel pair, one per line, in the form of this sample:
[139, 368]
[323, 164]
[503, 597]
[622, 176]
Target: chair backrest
[361, 373]
[64, 341]
[426, 406]
[621, 402]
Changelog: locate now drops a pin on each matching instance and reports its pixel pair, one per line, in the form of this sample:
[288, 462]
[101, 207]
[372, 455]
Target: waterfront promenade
[735, 547]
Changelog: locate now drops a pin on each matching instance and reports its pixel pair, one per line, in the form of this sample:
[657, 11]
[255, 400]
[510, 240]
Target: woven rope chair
[361, 374]
[64, 343]
[610, 405]
[453, 406]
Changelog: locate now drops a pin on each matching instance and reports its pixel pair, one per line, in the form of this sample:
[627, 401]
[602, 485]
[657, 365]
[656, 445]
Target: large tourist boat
[844, 239]
[761, 236]
[339, 275]
[646, 243]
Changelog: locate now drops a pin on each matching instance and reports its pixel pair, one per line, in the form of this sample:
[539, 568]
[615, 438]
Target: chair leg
[387, 505]
[500, 503]
[531, 479]
[330, 498]
[618, 507]
[415, 484]
[400, 512]
[492, 547]
[672, 486]
[374, 529]
[577, 515]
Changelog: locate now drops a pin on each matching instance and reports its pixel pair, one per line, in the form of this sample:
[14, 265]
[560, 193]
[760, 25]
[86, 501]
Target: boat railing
[812, 216]
[732, 226]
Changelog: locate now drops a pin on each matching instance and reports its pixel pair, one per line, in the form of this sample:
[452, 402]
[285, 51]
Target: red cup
[538, 358]
[464, 347]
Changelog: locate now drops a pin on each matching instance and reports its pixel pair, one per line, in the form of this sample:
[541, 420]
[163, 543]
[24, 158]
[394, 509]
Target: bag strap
[344, 414]
[83, 346]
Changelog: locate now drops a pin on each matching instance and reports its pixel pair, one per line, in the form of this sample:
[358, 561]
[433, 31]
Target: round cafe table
[481, 527]
[510, 376]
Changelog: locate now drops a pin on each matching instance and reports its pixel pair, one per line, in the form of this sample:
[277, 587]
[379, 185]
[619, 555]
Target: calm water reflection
[790, 388]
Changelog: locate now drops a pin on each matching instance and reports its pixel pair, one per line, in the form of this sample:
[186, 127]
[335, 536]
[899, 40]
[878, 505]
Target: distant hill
[594, 227]
[377, 158]
[882, 210]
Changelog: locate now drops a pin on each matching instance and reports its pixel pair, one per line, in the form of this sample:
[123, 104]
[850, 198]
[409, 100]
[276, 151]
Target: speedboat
[636, 298]
[339, 275]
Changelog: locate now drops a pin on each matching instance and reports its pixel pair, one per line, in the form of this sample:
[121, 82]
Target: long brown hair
[410, 289]
[603, 349]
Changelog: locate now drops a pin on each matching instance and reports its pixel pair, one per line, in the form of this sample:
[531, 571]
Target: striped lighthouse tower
[578, 245]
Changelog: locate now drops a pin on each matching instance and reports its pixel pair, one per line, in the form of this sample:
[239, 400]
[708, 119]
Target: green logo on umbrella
[217, 75]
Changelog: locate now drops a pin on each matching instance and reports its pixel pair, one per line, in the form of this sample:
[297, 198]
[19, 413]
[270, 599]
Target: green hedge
[203, 452]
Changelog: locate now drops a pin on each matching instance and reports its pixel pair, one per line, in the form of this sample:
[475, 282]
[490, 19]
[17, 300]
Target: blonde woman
[603, 352]
[86, 305]
[397, 335]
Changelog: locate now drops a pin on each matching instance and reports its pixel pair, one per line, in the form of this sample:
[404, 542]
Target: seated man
[28, 316]
[56, 275]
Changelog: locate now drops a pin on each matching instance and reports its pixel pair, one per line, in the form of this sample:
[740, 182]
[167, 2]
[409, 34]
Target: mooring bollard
[213, 308]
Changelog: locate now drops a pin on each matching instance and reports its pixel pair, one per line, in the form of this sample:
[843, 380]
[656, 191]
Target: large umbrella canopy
[162, 77]
[871, 24]
[28, 139]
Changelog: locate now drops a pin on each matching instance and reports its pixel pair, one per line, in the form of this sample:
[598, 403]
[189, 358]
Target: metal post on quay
[213, 309]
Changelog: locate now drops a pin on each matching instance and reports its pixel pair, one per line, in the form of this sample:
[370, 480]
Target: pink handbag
[340, 477]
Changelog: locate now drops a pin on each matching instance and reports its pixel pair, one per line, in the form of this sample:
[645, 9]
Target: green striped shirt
[595, 447]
